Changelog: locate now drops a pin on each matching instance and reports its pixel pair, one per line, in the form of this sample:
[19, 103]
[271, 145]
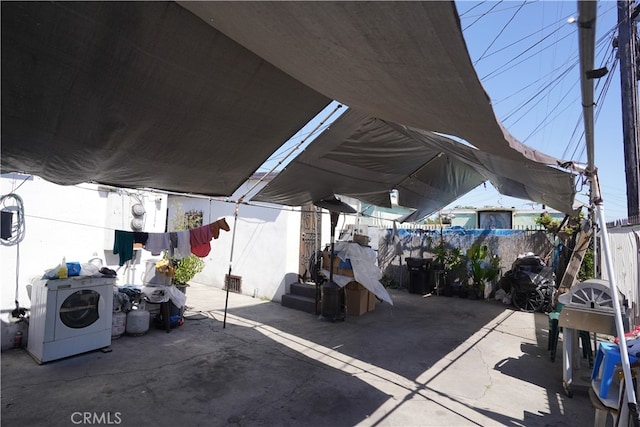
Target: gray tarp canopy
[139, 94]
[194, 96]
[365, 158]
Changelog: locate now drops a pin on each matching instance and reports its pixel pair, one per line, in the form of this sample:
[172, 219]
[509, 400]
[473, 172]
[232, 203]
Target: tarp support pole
[587, 11]
[233, 240]
[622, 342]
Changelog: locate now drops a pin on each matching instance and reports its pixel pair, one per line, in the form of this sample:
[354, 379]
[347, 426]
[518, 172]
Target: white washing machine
[69, 316]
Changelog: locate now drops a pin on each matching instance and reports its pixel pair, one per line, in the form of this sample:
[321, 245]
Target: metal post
[622, 343]
[629, 92]
[233, 239]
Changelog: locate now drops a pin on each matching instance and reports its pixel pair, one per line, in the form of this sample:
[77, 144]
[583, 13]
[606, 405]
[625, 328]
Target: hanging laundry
[173, 243]
[123, 246]
[200, 238]
[216, 226]
[140, 237]
[183, 249]
[157, 242]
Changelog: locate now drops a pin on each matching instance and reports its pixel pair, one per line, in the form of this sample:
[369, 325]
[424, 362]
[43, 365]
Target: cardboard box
[371, 302]
[359, 306]
[361, 239]
[340, 267]
[355, 286]
[357, 302]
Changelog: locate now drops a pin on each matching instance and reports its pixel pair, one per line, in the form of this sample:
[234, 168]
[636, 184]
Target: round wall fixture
[138, 212]
[137, 224]
[138, 209]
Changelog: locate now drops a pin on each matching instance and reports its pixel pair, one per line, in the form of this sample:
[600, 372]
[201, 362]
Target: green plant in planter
[480, 269]
[185, 269]
[451, 262]
[441, 256]
[455, 266]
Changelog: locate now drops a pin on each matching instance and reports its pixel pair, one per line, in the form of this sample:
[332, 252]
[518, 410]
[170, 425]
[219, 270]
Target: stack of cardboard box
[341, 267]
[359, 299]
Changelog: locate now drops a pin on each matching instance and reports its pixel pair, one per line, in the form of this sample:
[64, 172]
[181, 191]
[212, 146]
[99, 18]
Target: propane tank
[118, 324]
[138, 322]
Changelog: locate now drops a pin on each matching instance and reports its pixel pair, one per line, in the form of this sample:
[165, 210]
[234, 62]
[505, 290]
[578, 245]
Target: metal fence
[393, 250]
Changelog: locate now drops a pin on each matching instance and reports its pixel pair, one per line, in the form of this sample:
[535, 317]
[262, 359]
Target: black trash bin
[332, 303]
[417, 275]
[430, 279]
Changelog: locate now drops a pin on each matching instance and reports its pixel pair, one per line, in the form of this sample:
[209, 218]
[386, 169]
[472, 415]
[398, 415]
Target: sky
[526, 56]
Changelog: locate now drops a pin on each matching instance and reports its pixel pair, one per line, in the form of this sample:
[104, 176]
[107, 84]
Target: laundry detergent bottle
[63, 271]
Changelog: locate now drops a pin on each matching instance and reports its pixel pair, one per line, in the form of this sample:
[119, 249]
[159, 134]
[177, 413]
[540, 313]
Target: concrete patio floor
[425, 361]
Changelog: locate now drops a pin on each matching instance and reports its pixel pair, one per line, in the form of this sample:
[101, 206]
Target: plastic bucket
[151, 275]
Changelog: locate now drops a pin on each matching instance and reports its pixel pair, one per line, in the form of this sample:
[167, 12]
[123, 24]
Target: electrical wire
[495, 52]
[498, 71]
[28, 177]
[612, 63]
[482, 16]
[470, 9]
[544, 91]
[13, 205]
[502, 68]
[504, 27]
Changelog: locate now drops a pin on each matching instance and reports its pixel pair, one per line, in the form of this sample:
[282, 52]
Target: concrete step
[303, 290]
[298, 302]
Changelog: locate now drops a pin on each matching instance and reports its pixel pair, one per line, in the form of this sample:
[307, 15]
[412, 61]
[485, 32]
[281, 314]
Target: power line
[500, 33]
[545, 91]
[526, 37]
[482, 16]
[502, 69]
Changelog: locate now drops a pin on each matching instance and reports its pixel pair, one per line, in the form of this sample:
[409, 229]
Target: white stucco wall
[265, 246]
[76, 222]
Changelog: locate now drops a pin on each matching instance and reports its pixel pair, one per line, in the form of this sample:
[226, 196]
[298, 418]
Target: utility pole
[629, 90]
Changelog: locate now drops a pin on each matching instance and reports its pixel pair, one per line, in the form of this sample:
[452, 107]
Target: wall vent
[234, 283]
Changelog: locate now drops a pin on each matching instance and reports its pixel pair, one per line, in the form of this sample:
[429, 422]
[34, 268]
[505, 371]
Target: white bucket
[152, 277]
[118, 324]
[137, 322]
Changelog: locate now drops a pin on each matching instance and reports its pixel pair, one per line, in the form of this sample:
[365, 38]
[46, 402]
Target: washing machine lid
[78, 282]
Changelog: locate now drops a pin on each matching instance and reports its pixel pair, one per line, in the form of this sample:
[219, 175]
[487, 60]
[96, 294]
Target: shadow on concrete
[196, 375]
[406, 338]
[271, 365]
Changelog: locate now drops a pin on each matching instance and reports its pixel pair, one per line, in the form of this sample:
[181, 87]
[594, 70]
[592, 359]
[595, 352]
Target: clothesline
[180, 244]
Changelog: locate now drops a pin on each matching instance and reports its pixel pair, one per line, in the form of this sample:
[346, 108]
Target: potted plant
[441, 256]
[457, 277]
[450, 265]
[455, 266]
[480, 269]
[185, 269]
[181, 272]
